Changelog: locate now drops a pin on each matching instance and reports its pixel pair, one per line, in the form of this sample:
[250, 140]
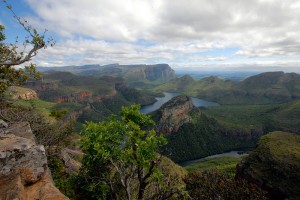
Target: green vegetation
[43, 107]
[226, 165]
[204, 137]
[275, 163]
[215, 185]
[121, 160]
[211, 88]
[264, 118]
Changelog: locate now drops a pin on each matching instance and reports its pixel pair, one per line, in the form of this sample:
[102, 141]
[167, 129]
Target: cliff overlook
[24, 172]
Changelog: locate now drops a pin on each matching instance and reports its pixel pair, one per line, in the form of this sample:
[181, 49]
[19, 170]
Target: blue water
[168, 95]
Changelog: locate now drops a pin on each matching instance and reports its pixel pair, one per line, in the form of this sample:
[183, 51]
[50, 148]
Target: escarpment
[24, 172]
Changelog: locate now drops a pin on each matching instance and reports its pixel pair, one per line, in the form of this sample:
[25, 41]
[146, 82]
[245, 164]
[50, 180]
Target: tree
[121, 159]
[11, 55]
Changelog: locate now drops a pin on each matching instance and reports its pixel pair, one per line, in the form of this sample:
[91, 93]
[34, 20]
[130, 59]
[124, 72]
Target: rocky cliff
[24, 172]
[173, 114]
[275, 165]
[20, 93]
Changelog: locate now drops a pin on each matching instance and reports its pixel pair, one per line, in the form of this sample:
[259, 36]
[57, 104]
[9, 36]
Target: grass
[226, 165]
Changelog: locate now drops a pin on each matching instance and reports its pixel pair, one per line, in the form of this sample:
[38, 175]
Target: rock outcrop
[173, 114]
[20, 93]
[77, 97]
[274, 165]
[24, 172]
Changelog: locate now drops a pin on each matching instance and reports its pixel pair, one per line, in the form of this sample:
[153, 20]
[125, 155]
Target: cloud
[173, 30]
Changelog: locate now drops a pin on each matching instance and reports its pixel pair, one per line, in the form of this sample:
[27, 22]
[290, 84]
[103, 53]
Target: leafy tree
[11, 55]
[121, 159]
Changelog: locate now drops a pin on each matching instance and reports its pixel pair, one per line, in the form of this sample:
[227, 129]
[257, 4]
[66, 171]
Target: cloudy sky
[191, 34]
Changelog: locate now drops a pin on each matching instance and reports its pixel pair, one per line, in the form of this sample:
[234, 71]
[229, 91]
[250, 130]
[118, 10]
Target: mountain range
[133, 74]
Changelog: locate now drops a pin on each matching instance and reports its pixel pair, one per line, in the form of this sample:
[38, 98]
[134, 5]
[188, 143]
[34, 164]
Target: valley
[149, 100]
[216, 117]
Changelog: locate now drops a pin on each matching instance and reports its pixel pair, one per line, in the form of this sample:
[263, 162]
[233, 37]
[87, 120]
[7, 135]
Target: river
[234, 154]
[168, 95]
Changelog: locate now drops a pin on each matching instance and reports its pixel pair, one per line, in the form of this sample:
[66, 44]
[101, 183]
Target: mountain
[264, 88]
[275, 165]
[133, 74]
[173, 114]
[192, 134]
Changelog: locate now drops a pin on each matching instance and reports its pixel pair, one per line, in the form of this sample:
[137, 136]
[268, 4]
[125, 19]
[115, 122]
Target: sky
[256, 35]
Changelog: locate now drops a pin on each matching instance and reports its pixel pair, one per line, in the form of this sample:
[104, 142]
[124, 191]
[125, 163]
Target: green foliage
[276, 163]
[204, 137]
[215, 185]
[226, 165]
[121, 160]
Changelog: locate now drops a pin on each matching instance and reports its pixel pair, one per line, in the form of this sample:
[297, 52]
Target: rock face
[275, 165]
[24, 173]
[19, 93]
[174, 114]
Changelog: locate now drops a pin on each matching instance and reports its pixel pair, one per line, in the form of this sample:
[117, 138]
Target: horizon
[195, 35]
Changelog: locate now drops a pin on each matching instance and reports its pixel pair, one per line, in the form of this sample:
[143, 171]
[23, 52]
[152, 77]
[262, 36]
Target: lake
[168, 95]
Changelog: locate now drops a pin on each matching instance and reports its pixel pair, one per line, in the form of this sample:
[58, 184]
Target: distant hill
[264, 88]
[133, 74]
[247, 118]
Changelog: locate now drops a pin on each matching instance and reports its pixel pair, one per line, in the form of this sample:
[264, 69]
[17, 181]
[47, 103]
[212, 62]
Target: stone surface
[174, 114]
[24, 172]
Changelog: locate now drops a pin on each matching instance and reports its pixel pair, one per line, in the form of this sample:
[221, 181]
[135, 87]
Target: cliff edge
[24, 172]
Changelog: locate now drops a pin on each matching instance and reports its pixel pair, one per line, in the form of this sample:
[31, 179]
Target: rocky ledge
[173, 114]
[24, 172]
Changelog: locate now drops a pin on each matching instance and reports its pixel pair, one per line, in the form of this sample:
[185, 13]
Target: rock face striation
[174, 114]
[275, 165]
[24, 172]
